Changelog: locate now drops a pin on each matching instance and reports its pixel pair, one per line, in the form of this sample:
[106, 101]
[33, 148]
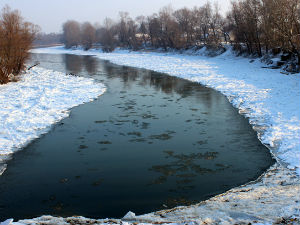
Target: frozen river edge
[41, 98]
[270, 100]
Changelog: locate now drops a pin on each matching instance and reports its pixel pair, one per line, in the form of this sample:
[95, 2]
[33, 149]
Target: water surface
[150, 142]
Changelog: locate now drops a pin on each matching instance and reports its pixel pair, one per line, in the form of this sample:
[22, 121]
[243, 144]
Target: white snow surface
[271, 102]
[41, 98]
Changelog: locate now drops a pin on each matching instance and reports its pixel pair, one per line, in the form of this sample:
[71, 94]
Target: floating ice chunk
[129, 216]
[7, 222]
[2, 168]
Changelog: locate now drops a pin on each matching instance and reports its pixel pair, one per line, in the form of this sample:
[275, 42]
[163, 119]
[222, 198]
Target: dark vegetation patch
[100, 121]
[135, 133]
[104, 142]
[83, 146]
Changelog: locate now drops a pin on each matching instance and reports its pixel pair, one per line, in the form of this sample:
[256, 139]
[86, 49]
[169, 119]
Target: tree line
[47, 39]
[16, 37]
[251, 26]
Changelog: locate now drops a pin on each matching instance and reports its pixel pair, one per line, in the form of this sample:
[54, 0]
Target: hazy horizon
[50, 15]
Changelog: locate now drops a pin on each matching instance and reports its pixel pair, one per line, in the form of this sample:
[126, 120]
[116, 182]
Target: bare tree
[186, 21]
[155, 30]
[170, 30]
[242, 26]
[205, 17]
[16, 38]
[105, 35]
[43, 39]
[253, 26]
[267, 24]
[143, 29]
[215, 27]
[123, 28]
[88, 35]
[285, 21]
[132, 35]
[71, 33]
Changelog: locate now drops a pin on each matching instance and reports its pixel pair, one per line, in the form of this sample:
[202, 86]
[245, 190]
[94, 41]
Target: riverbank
[271, 102]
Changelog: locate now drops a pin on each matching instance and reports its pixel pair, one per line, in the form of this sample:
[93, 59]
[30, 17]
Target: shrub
[16, 37]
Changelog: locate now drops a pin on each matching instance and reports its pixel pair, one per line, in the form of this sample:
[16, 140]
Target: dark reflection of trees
[127, 74]
[90, 64]
[73, 63]
[184, 168]
[109, 70]
[161, 82]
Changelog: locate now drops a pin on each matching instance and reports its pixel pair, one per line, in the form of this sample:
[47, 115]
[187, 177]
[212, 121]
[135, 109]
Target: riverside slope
[271, 102]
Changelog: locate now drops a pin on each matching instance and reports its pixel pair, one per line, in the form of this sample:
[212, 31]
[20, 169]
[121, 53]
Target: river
[150, 142]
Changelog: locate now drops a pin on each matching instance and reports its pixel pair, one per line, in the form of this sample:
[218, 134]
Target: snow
[30, 106]
[7, 222]
[129, 216]
[271, 102]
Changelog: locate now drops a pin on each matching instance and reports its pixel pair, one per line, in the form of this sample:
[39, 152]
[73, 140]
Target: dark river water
[150, 142]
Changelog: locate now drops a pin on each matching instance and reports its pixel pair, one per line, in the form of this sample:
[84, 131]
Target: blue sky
[50, 14]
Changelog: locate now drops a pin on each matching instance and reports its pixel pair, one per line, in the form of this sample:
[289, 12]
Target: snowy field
[267, 97]
[30, 106]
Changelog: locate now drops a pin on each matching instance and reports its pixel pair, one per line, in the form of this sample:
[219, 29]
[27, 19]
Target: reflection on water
[75, 64]
[185, 168]
[150, 142]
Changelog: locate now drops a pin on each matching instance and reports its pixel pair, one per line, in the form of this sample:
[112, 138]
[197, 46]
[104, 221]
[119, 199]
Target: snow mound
[41, 98]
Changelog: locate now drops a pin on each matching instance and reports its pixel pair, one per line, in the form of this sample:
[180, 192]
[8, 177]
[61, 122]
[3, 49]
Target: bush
[16, 38]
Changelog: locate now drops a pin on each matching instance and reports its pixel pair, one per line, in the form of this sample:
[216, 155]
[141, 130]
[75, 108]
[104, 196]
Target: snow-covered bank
[41, 98]
[270, 100]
